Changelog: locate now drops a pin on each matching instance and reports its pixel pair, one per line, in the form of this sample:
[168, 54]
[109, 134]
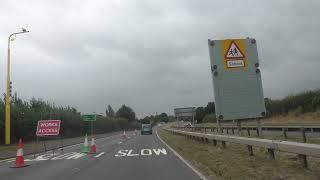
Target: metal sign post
[47, 128]
[91, 118]
[91, 128]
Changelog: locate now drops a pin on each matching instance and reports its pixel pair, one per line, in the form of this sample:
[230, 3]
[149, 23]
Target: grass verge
[235, 163]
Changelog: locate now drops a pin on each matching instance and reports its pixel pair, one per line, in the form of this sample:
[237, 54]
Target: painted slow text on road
[142, 152]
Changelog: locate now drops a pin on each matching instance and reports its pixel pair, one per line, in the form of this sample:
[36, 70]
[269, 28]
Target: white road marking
[99, 155]
[158, 151]
[5, 160]
[142, 152]
[130, 153]
[76, 156]
[44, 157]
[65, 147]
[64, 156]
[149, 152]
[10, 160]
[182, 159]
[121, 153]
[119, 142]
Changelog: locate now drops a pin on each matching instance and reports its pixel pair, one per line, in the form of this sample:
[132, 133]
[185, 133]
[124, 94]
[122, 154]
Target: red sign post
[48, 128]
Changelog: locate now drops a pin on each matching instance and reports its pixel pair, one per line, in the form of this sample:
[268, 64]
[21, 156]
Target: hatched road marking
[99, 155]
[50, 156]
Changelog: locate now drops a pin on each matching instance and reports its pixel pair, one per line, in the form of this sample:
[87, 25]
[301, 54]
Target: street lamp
[8, 103]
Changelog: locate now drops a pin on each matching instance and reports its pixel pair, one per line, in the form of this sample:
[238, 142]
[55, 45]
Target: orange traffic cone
[93, 148]
[19, 158]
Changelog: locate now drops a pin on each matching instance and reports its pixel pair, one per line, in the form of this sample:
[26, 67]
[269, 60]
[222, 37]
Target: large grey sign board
[236, 79]
[184, 112]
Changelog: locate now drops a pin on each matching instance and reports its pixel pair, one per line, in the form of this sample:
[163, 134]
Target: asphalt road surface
[141, 157]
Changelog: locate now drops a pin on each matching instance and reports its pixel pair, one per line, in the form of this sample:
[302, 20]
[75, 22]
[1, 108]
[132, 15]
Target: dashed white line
[99, 155]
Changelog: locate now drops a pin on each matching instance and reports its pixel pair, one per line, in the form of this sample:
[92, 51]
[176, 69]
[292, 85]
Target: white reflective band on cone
[86, 141]
[20, 152]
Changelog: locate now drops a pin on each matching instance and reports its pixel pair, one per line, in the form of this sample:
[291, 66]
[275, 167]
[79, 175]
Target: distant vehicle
[187, 124]
[146, 127]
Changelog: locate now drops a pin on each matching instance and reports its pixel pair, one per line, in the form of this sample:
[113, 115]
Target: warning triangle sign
[234, 52]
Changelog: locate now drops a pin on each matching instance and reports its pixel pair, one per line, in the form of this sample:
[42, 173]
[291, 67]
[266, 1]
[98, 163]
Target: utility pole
[9, 89]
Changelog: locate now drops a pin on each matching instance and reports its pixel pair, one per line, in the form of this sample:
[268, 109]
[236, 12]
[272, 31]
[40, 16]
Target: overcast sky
[152, 55]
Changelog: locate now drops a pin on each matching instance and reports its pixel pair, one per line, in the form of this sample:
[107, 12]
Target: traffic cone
[124, 135]
[93, 148]
[19, 158]
[85, 148]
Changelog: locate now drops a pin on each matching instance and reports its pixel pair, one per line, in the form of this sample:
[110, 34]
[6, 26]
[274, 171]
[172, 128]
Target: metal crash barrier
[302, 149]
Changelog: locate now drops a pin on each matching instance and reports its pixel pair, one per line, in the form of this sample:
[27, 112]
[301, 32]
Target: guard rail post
[239, 127]
[259, 126]
[214, 142]
[223, 143]
[303, 160]
[250, 150]
[284, 130]
[248, 131]
[271, 153]
[303, 132]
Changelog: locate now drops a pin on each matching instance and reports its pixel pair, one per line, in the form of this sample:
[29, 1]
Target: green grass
[235, 163]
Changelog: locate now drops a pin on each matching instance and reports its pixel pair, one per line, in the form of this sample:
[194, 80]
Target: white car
[187, 124]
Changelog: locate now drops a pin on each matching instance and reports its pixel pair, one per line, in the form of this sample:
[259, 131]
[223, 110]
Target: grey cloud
[153, 56]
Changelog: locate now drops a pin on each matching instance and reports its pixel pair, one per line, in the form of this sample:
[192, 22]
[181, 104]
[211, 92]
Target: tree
[200, 113]
[209, 118]
[126, 112]
[110, 111]
[163, 117]
[210, 109]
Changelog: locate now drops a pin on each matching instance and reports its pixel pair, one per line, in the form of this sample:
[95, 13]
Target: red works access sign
[48, 128]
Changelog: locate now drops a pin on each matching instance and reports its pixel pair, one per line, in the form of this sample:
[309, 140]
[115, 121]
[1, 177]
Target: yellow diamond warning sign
[234, 53]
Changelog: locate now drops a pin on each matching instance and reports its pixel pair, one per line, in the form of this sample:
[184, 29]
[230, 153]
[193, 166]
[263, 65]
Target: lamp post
[8, 100]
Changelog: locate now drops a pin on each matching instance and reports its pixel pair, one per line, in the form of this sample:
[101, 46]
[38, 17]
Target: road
[135, 157]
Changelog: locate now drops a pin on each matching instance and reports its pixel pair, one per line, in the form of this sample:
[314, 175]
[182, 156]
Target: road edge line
[181, 158]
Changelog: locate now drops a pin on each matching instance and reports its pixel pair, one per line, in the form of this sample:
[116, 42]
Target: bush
[209, 118]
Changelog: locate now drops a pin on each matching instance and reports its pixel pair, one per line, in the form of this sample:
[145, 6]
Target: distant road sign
[236, 79]
[48, 128]
[184, 112]
[89, 117]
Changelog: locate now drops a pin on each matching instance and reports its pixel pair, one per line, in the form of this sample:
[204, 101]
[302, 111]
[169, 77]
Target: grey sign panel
[184, 112]
[236, 79]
